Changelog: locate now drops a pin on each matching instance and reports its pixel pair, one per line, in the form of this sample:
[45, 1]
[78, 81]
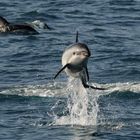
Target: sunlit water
[34, 106]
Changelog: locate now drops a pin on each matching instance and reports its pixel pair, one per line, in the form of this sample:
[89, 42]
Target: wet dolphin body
[74, 62]
[5, 26]
[40, 25]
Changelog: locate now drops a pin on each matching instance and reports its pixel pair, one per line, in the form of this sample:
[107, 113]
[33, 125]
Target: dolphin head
[3, 24]
[76, 56]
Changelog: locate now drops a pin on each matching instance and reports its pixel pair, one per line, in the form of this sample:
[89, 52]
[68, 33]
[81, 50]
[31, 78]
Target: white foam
[120, 87]
[49, 90]
[59, 89]
[82, 106]
[38, 25]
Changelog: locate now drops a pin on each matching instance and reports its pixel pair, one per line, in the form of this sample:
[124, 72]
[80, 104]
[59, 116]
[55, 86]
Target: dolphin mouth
[82, 53]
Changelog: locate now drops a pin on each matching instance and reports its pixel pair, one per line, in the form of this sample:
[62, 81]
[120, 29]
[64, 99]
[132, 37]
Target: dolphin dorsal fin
[76, 36]
[5, 22]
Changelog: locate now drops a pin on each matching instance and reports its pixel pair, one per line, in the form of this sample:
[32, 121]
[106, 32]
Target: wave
[81, 107]
[49, 90]
[59, 89]
[129, 87]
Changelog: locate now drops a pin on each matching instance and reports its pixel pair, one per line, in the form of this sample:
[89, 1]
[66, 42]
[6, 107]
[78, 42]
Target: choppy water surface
[34, 106]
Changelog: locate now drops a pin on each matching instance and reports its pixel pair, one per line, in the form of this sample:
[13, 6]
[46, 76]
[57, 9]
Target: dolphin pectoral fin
[84, 75]
[61, 70]
[87, 74]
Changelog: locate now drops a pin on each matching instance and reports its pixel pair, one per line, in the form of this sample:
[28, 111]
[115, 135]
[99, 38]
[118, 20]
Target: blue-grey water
[35, 107]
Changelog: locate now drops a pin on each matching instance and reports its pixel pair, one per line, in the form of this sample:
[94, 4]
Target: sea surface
[34, 106]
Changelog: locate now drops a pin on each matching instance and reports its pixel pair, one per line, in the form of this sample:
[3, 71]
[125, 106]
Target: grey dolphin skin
[6, 27]
[74, 62]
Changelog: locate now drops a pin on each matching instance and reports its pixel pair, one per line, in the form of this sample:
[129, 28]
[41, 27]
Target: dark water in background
[34, 107]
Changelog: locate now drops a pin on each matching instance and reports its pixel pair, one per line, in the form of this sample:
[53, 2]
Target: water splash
[38, 25]
[82, 106]
[75, 105]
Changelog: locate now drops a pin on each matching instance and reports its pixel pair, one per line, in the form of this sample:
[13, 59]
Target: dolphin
[5, 27]
[74, 63]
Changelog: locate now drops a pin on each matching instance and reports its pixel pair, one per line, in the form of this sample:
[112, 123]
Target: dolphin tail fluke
[61, 70]
[89, 86]
[84, 78]
[96, 88]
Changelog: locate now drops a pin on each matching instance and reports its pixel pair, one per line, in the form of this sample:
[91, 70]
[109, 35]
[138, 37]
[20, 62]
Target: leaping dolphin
[74, 62]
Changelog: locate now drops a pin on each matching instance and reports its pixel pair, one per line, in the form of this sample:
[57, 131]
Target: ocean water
[33, 106]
